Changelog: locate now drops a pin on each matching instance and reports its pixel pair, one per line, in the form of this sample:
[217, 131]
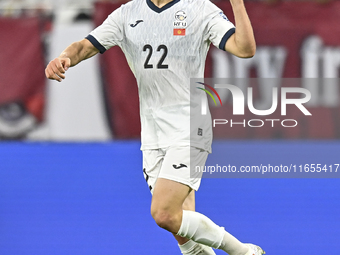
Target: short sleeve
[219, 27]
[108, 34]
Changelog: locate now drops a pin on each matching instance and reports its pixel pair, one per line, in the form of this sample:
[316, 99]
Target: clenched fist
[56, 69]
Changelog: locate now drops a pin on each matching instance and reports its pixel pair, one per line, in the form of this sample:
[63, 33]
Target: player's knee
[163, 219]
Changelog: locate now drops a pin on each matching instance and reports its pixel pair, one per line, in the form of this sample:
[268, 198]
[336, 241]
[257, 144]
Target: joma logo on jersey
[136, 23]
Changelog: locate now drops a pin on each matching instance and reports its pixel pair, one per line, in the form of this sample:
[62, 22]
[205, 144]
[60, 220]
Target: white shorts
[174, 163]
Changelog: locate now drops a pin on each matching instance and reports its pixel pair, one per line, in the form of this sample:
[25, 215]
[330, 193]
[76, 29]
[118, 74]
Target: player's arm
[242, 42]
[71, 56]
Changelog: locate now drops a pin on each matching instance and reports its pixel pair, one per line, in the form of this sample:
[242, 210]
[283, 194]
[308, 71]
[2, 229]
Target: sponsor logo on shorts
[180, 166]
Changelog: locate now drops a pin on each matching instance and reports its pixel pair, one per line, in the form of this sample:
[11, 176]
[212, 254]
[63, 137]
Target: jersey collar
[159, 10]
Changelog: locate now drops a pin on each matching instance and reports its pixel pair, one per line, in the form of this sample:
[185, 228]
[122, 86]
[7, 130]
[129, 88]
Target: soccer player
[165, 43]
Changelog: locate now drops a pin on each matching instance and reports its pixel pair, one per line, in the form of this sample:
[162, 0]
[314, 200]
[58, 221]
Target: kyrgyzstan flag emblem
[179, 31]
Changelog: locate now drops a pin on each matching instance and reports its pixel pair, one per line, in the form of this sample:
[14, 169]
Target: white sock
[201, 229]
[232, 246]
[193, 248]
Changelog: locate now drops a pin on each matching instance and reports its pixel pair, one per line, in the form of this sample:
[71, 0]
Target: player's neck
[161, 3]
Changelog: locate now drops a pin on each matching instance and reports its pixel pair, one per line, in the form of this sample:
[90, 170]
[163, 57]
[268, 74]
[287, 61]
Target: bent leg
[166, 209]
[170, 195]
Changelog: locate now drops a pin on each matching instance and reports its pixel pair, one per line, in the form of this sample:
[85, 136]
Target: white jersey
[165, 47]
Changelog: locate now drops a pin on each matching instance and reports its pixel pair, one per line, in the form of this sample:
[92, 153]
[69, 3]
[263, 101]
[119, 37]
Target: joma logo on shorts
[180, 166]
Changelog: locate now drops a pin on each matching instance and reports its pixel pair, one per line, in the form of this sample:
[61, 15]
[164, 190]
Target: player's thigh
[175, 181]
[172, 197]
[168, 196]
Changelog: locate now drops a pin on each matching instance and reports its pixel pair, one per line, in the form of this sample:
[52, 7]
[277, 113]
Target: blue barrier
[91, 198]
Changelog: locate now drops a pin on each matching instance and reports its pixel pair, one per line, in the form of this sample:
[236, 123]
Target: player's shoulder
[210, 5]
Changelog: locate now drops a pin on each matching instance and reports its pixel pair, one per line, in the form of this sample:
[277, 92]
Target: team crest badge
[180, 23]
[180, 16]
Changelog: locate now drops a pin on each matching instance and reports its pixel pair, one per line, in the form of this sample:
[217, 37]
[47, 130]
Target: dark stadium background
[71, 179]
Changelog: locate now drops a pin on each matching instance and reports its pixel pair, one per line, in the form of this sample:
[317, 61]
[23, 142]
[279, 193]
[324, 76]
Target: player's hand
[56, 69]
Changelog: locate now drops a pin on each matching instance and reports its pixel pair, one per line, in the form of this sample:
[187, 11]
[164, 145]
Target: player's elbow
[248, 52]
